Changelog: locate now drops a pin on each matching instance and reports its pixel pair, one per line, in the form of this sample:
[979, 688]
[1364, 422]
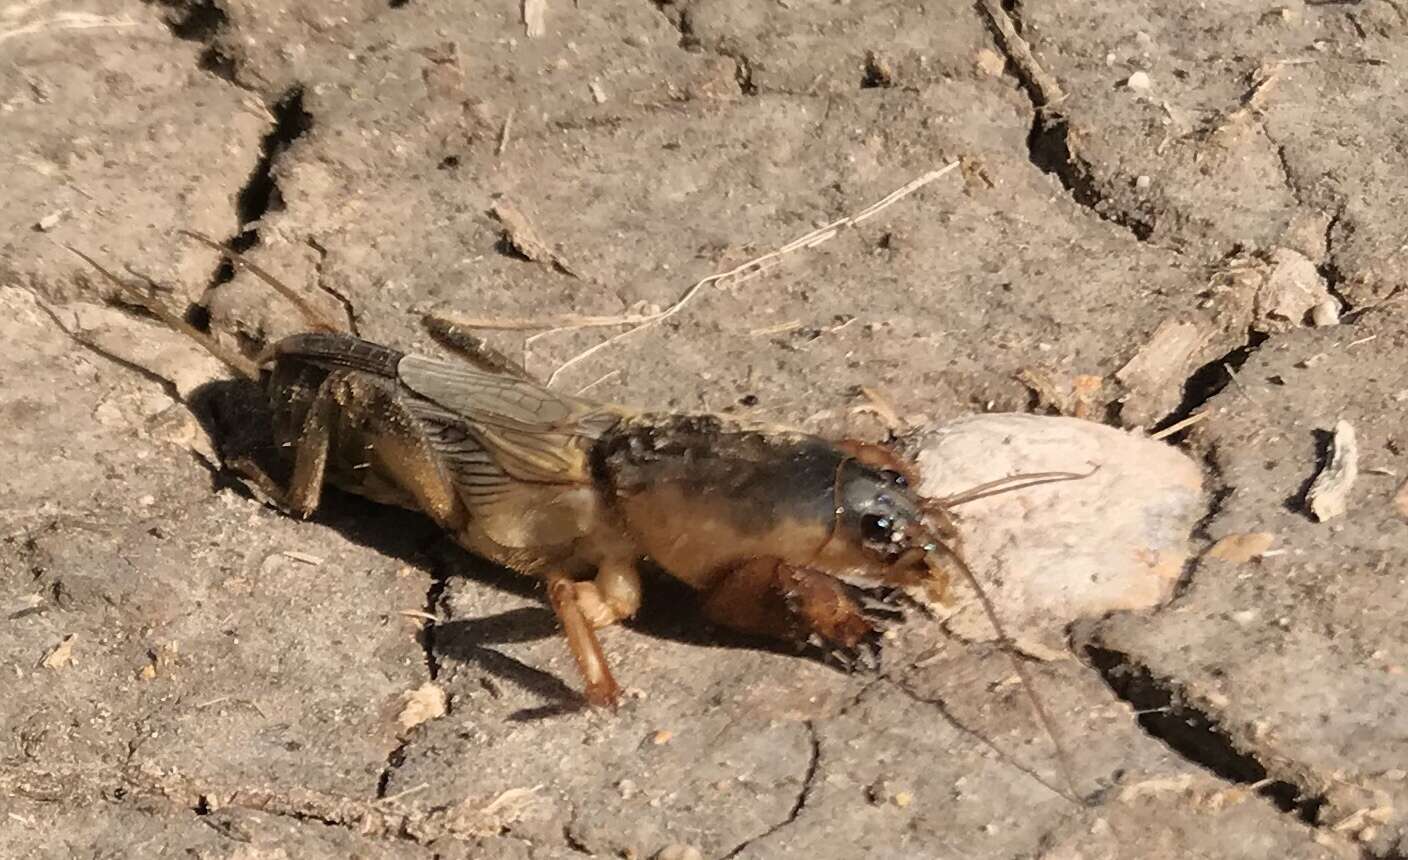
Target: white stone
[1051, 554]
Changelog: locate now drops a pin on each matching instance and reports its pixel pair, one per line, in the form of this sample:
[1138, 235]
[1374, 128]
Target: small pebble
[1140, 82]
[679, 851]
[990, 62]
[1142, 183]
[662, 737]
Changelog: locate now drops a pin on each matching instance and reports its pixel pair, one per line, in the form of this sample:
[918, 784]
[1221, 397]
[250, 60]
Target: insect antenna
[1010, 648]
[229, 357]
[315, 318]
[1011, 484]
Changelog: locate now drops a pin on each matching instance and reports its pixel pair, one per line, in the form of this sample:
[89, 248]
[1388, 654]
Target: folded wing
[517, 452]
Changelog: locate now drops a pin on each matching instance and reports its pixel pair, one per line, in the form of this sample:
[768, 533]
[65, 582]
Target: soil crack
[1049, 144]
[348, 309]
[260, 194]
[203, 22]
[1166, 714]
[375, 819]
[1209, 380]
[803, 794]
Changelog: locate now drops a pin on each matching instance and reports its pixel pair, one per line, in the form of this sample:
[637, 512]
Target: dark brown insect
[765, 523]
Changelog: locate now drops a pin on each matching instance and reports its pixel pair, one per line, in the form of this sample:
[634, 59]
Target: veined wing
[518, 452]
[535, 434]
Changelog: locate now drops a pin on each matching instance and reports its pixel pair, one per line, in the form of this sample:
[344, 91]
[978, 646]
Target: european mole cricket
[764, 523]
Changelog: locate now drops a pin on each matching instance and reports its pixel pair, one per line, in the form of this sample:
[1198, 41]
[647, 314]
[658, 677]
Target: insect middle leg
[612, 596]
[601, 689]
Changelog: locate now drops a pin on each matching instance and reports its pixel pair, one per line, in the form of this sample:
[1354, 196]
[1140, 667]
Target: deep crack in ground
[1049, 144]
[1165, 713]
[260, 194]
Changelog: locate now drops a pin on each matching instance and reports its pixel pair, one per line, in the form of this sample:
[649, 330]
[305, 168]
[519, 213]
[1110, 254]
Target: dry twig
[1043, 85]
[1195, 418]
[754, 267]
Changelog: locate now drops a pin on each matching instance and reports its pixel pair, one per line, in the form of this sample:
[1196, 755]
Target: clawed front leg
[766, 597]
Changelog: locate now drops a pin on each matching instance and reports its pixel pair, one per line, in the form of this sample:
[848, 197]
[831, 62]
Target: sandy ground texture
[1182, 211]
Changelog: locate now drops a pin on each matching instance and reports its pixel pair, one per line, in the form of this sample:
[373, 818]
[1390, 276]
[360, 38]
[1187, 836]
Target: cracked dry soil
[191, 673]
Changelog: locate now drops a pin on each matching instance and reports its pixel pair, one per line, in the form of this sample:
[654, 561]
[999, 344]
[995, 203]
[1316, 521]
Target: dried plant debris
[425, 703]
[61, 655]
[1286, 288]
[534, 18]
[1242, 547]
[1151, 377]
[1291, 293]
[523, 238]
[1329, 494]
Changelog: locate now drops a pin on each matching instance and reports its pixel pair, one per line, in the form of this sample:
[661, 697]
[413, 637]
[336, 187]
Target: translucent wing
[518, 452]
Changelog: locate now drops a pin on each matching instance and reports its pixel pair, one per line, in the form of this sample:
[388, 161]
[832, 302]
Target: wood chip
[534, 17]
[1400, 501]
[990, 62]
[61, 655]
[471, 817]
[426, 702]
[520, 235]
[1329, 494]
[50, 221]
[1242, 548]
[882, 407]
[1152, 376]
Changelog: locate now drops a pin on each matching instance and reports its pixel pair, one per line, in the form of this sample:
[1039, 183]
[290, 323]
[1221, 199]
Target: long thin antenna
[1011, 484]
[1005, 641]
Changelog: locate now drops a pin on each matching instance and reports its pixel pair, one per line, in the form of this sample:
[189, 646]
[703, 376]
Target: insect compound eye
[894, 477]
[875, 528]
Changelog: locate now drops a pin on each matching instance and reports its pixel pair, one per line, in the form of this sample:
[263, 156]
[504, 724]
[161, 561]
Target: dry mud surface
[1153, 205]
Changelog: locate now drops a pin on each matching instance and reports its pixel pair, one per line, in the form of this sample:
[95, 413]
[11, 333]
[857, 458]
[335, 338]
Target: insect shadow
[235, 415]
